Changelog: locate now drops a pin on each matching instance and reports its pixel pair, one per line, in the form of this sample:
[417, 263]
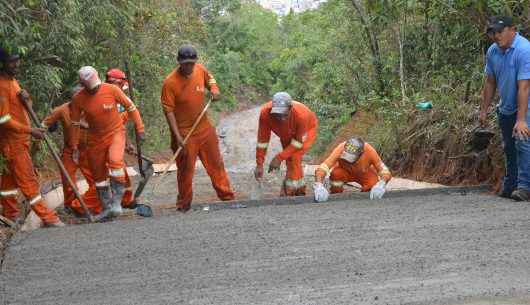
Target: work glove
[275, 164]
[140, 137]
[216, 96]
[378, 190]
[38, 133]
[23, 95]
[321, 193]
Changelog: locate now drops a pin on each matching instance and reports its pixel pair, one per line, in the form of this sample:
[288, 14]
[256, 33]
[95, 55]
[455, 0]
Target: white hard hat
[89, 75]
[281, 102]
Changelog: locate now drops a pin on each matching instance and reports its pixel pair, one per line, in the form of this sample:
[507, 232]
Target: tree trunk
[374, 47]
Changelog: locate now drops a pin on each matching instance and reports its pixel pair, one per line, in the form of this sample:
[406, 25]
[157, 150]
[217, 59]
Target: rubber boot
[105, 197]
[118, 189]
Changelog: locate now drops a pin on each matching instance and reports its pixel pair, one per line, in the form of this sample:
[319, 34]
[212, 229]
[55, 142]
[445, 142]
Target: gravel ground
[437, 249]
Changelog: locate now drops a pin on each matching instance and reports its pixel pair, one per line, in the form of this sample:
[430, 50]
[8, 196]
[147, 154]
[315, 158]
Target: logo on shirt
[108, 106]
[199, 88]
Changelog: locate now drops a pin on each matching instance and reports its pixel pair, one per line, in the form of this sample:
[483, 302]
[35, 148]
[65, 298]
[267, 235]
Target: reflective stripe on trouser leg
[24, 177]
[295, 187]
[336, 186]
[9, 193]
[295, 184]
[262, 145]
[102, 184]
[337, 183]
[118, 173]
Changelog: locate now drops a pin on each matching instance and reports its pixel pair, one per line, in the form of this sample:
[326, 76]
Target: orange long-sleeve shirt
[62, 114]
[184, 97]
[292, 132]
[101, 112]
[15, 126]
[369, 160]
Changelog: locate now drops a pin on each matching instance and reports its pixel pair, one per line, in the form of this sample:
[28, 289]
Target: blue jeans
[516, 153]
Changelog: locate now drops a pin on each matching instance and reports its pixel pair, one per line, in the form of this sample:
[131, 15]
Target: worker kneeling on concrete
[296, 126]
[352, 161]
[106, 136]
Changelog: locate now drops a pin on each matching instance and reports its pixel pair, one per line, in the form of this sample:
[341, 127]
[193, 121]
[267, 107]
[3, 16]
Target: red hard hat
[116, 73]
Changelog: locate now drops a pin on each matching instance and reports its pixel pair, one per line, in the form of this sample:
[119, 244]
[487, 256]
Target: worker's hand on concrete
[38, 133]
[258, 172]
[216, 96]
[75, 156]
[275, 164]
[378, 190]
[482, 118]
[23, 95]
[321, 193]
[521, 131]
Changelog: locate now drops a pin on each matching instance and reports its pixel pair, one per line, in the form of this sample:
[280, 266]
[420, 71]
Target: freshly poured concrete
[432, 249]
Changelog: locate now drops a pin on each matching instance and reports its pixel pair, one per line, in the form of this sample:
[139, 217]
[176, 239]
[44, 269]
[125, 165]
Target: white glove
[321, 193]
[378, 190]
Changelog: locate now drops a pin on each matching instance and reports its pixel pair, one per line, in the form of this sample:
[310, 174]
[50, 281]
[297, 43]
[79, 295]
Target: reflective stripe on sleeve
[384, 171]
[131, 108]
[324, 167]
[5, 118]
[297, 144]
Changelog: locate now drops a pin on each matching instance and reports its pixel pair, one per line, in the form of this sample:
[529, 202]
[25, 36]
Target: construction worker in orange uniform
[118, 78]
[182, 99]
[352, 161]
[62, 114]
[296, 126]
[16, 132]
[106, 137]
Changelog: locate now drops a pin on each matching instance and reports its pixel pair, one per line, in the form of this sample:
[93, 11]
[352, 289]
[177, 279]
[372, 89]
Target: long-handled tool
[170, 162]
[138, 144]
[7, 222]
[146, 169]
[48, 142]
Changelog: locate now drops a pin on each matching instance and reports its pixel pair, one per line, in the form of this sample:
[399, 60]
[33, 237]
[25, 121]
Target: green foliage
[322, 57]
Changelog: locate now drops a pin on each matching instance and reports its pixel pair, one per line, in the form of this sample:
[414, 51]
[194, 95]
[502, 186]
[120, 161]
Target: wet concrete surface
[432, 249]
[237, 137]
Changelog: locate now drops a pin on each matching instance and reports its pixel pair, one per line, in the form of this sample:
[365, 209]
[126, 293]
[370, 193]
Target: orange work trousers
[105, 156]
[343, 174]
[71, 167]
[20, 175]
[204, 145]
[294, 184]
